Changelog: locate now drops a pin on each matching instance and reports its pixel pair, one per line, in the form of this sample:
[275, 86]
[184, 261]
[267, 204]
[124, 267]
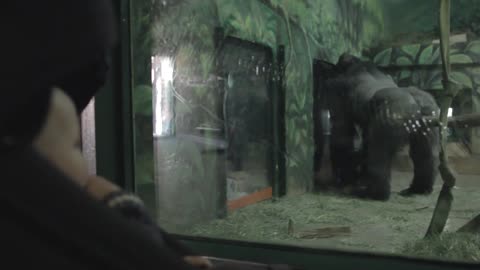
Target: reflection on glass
[212, 100]
[162, 71]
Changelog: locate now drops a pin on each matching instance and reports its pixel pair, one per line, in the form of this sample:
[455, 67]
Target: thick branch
[441, 212]
[473, 226]
[464, 121]
[461, 121]
[445, 198]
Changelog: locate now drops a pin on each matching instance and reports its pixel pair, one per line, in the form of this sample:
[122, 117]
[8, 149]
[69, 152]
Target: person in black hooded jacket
[55, 61]
[53, 214]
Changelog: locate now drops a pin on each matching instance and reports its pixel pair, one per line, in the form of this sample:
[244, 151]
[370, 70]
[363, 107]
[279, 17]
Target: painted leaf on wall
[412, 50]
[298, 137]
[403, 61]
[462, 78]
[290, 128]
[305, 118]
[383, 58]
[436, 56]
[292, 107]
[426, 56]
[475, 74]
[291, 163]
[460, 59]
[474, 47]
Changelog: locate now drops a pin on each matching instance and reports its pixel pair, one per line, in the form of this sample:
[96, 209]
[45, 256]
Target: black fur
[387, 117]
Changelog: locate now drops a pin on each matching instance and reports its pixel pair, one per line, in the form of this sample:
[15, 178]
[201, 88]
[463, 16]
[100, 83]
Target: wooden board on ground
[325, 232]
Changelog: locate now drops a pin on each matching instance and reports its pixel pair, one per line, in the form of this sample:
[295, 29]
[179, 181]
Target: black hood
[51, 43]
[47, 221]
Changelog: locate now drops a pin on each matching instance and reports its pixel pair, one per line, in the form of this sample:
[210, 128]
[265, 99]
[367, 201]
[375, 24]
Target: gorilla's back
[364, 86]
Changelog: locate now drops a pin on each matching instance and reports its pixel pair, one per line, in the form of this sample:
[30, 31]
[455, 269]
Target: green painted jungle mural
[419, 65]
[462, 56]
[184, 30]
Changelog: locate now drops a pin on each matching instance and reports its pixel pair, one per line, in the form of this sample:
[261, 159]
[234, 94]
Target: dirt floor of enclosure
[388, 227]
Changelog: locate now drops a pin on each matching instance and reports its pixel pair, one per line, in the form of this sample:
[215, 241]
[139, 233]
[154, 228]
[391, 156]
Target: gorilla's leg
[342, 165]
[360, 158]
[378, 163]
[342, 149]
[424, 152]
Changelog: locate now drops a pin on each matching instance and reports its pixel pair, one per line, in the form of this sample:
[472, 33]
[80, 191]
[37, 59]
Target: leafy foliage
[383, 58]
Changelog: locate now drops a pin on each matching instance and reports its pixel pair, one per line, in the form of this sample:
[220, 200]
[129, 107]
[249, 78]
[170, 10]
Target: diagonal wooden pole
[451, 88]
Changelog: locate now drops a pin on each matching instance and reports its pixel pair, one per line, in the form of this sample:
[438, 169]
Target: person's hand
[100, 187]
[198, 261]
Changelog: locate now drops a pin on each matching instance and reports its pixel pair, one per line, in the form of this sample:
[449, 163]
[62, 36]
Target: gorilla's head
[347, 61]
[336, 79]
[346, 66]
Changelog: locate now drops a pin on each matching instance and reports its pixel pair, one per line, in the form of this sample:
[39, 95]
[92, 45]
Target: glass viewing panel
[309, 123]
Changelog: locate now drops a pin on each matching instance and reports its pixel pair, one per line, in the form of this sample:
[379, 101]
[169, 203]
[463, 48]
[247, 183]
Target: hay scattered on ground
[268, 221]
[448, 246]
[388, 227]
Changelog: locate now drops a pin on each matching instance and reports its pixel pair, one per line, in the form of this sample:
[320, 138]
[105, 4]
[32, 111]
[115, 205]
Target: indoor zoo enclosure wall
[183, 30]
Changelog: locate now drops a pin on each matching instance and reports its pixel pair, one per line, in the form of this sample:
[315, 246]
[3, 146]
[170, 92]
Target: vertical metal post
[113, 110]
[280, 183]
[221, 158]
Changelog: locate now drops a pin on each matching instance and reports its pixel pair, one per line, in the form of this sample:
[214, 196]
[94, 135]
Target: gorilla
[366, 105]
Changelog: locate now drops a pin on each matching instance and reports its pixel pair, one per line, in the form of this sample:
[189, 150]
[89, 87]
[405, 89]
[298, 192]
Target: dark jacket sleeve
[132, 208]
[54, 224]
